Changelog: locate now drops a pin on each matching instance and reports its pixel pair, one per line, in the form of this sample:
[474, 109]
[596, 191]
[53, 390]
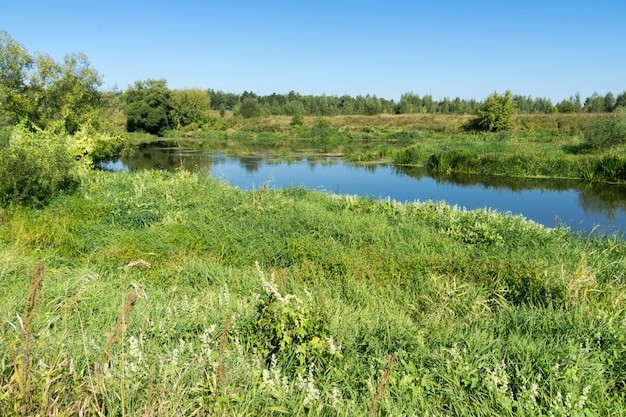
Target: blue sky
[468, 49]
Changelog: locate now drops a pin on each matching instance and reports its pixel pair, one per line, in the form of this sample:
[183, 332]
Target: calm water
[574, 204]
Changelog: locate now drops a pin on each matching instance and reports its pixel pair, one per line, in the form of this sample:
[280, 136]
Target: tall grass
[153, 304]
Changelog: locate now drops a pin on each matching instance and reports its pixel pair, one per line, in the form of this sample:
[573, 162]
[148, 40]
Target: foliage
[248, 108]
[91, 146]
[496, 113]
[607, 132]
[189, 106]
[70, 90]
[148, 106]
[35, 167]
[15, 65]
[45, 91]
[289, 329]
[571, 105]
[481, 313]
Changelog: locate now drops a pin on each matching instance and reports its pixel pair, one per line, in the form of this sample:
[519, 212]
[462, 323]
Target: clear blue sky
[444, 48]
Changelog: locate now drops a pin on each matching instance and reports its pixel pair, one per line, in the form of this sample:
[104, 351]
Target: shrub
[605, 133]
[91, 147]
[289, 329]
[410, 155]
[497, 112]
[35, 167]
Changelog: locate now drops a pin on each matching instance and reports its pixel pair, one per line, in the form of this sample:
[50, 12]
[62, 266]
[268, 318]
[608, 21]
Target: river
[580, 206]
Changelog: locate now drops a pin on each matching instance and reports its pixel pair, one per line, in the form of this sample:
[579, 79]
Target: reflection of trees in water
[250, 163]
[167, 159]
[599, 198]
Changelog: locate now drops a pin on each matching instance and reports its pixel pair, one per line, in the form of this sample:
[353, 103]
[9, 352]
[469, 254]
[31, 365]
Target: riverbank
[541, 146]
[150, 299]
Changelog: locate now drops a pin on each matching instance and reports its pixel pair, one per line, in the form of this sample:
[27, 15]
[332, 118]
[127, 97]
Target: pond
[580, 206]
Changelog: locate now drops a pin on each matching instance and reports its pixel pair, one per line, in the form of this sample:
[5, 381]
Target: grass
[174, 294]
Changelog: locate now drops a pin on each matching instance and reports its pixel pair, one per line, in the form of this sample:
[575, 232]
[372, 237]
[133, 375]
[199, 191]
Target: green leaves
[45, 91]
[496, 113]
[148, 106]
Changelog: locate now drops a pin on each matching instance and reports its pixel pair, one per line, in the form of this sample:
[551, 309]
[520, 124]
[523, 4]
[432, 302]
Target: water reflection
[576, 204]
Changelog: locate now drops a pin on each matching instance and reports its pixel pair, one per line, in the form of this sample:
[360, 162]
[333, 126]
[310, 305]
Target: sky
[445, 48]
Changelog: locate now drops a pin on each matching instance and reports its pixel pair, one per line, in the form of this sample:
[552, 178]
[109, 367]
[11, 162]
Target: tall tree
[148, 106]
[15, 65]
[190, 106]
[609, 102]
[43, 90]
[620, 101]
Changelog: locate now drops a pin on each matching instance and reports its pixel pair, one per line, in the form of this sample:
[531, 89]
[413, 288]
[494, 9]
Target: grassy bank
[540, 146]
[174, 294]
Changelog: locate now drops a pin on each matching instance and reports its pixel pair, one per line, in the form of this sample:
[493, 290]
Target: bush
[289, 329]
[496, 113]
[605, 133]
[91, 147]
[35, 168]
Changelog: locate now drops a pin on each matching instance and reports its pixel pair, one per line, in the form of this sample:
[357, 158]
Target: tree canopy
[496, 113]
[148, 106]
[44, 91]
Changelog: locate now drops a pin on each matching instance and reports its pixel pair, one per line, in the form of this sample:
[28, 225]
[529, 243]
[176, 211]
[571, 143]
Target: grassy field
[153, 293]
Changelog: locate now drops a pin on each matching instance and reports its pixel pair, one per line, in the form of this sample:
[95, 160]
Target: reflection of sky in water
[575, 209]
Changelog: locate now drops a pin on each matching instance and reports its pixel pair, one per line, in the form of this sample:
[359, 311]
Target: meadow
[155, 293]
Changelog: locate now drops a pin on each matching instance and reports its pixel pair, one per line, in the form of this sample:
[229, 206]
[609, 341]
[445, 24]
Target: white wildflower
[307, 386]
[335, 397]
[583, 398]
[332, 348]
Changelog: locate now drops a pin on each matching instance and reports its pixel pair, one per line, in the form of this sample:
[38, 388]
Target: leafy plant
[35, 167]
[289, 329]
[607, 132]
[148, 107]
[497, 112]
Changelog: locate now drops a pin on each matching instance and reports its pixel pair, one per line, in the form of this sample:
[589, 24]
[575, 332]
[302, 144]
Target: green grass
[152, 304]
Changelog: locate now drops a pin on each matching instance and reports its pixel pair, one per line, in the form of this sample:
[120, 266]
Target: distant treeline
[294, 104]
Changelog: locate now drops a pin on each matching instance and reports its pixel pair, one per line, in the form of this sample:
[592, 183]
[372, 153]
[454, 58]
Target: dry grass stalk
[120, 325]
[382, 383]
[221, 369]
[32, 301]
[134, 264]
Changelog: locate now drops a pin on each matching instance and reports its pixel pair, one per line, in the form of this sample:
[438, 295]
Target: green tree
[69, 90]
[190, 106]
[594, 104]
[609, 102]
[45, 91]
[15, 66]
[249, 107]
[620, 101]
[496, 113]
[148, 106]
[573, 105]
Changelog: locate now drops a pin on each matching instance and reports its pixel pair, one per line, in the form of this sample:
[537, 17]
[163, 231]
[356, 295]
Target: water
[577, 205]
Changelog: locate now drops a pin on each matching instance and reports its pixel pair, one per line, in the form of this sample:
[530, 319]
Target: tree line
[295, 104]
[38, 89]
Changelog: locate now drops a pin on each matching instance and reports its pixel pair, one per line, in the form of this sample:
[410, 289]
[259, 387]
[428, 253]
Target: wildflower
[306, 384]
[332, 348]
[583, 398]
[335, 397]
